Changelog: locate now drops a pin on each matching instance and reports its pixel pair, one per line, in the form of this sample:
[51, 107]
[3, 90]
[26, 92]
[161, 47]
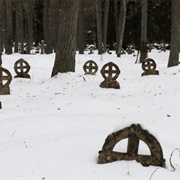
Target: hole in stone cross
[143, 149]
[121, 146]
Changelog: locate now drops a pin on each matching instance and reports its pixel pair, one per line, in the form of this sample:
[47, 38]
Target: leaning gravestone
[21, 68]
[5, 80]
[110, 73]
[90, 67]
[134, 133]
[149, 67]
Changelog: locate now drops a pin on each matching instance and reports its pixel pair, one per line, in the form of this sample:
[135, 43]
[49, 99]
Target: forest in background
[30, 21]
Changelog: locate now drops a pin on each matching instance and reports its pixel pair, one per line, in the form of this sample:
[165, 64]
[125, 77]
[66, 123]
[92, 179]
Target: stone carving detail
[90, 67]
[134, 133]
[110, 73]
[149, 67]
[5, 80]
[22, 68]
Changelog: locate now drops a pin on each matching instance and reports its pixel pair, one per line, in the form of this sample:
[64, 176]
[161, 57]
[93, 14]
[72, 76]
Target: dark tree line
[100, 22]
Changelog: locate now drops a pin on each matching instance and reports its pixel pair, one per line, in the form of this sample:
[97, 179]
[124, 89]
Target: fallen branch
[153, 173]
[171, 158]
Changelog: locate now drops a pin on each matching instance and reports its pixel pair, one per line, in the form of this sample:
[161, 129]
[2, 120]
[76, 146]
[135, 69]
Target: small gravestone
[110, 73]
[149, 67]
[123, 51]
[90, 67]
[21, 68]
[43, 46]
[91, 50]
[129, 50]
[5, 80]
[134, 133]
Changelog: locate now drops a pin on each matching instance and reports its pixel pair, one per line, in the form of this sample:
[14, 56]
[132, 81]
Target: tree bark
[121, 24]
[9, 27]
[99, 25]
[66, 48]
[175, 34]
[81, 29]
[105, 23]
[30, 13]
[143, 46]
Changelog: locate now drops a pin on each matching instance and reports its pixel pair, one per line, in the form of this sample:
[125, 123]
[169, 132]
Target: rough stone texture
[21, 68]
[149, 67]
[134, 133]
[110, 73]
[5, 80]
[90, 67]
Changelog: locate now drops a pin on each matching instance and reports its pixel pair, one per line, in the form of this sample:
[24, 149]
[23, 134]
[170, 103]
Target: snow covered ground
[53, 128]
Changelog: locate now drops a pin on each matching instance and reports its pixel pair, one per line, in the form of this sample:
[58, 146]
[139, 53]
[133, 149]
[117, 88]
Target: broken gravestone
[134, 133]
[90, 67]
[21, 68]
[149, 67]
[110, 73]
[5, 80]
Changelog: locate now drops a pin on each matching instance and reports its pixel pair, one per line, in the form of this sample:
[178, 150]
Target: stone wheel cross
[149, 67]
[90, 67]
[134, 133]
[22, 68]
[5, 80]
[110, 73]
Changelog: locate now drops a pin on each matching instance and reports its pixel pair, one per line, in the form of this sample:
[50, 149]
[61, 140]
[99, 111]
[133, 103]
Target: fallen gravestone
[21, 68]
[134, 133]
[110, 73]
[90, 67]
[149, 67]
[5, 80]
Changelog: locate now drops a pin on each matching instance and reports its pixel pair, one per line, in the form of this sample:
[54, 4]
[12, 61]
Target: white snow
[53, 128]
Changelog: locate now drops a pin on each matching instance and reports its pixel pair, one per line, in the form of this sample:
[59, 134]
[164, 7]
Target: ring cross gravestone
[5, 80]
[149, 67]
[110, 73]
[134, 133]
[90, 67]
[22, 68]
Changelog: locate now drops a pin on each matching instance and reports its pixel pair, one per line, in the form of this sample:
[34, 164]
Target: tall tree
[175, 34]
[105, 23]
[121, 26]
[143, 44]
[1, 40]
[81, 29]
[29, 9]
[9, 27]
[99, 26]
[66, 48]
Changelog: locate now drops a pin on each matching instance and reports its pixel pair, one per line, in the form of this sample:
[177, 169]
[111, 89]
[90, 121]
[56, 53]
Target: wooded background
[28, 21]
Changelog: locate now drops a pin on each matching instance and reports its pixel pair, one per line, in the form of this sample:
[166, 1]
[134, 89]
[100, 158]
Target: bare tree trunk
[66, 48]
[175, 34]
[1, 40]
[9, 27]
[116, 22]
[105, 23]
[99, 25]
[21, 26]
[121, 24]
[81, 29]
[30, 13]
[143, 46]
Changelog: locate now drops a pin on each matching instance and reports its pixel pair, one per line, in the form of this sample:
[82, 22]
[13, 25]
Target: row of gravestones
[111, 71]
[21, 68]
